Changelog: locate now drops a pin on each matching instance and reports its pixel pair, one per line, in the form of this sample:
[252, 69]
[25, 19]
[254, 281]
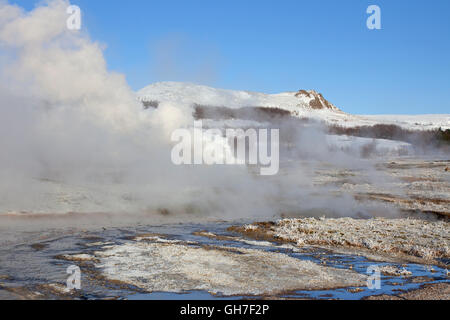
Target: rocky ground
[411, 239]
[300, 255]
[216, 261]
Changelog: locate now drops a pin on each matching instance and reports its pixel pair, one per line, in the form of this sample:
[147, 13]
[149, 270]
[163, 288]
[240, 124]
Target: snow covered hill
[302, 104]
[191, 93]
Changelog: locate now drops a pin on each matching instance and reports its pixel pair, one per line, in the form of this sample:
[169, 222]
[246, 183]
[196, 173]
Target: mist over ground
[74, 139]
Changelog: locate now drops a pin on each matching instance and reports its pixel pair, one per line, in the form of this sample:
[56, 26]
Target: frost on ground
[439, 291]
[409, 184]
[426, 240]
[178, 267]
[390, 270]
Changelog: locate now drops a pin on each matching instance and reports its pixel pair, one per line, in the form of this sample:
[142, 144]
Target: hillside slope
[301, 104]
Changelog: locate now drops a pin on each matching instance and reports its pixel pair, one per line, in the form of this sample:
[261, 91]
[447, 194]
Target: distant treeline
[244, 113]
[431, 138]
[150, 104]
[426, 138]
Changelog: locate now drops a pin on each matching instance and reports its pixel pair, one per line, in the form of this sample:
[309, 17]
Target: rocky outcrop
[317, 101]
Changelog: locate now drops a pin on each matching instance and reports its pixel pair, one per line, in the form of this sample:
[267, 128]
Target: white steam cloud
[74, 138]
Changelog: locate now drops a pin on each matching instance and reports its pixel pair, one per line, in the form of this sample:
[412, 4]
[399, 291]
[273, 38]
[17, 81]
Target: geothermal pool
[195, 261]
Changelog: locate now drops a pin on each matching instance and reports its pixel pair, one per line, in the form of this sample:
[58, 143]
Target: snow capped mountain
[188, 93]
[302, 104]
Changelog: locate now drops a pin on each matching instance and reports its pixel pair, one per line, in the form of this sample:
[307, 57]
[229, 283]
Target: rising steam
[74, 138]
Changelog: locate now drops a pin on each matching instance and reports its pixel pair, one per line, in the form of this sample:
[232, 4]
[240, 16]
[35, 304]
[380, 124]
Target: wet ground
[154, 257]
[38, 270]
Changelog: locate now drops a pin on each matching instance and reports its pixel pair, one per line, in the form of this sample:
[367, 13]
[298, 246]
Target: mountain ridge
[301, 104]
[199, 94]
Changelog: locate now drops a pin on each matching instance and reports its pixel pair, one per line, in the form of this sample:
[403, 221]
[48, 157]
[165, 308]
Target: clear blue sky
[285, 45]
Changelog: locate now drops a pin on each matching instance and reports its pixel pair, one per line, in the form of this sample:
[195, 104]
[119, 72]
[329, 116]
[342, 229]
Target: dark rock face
[317, 100]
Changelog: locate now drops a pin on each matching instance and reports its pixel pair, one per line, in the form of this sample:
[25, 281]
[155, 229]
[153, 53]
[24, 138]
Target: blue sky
[285, 45]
